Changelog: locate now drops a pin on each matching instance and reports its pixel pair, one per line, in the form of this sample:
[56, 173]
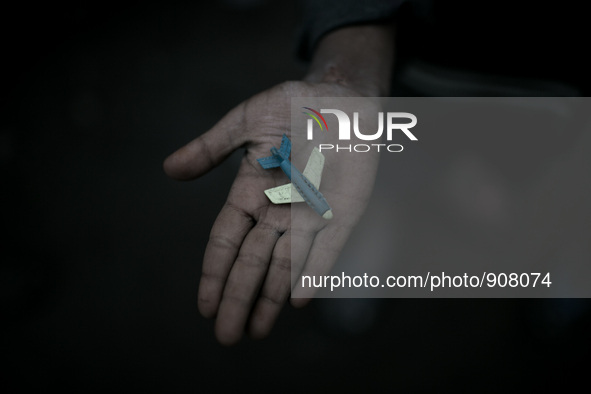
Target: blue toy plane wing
[285, 148]
[268, 162]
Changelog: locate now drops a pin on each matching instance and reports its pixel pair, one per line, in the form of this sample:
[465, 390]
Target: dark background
[102, 253]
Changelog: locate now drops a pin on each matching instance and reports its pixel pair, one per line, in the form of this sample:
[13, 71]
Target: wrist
[357, 57]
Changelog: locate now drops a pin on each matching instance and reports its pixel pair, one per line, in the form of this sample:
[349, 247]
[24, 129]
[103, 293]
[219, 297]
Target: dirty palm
[257, 250]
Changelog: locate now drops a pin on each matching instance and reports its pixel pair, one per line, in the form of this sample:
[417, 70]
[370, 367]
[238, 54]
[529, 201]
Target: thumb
[208, 150]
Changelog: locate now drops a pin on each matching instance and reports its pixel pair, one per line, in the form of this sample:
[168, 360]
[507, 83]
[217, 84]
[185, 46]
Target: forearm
[359, 57]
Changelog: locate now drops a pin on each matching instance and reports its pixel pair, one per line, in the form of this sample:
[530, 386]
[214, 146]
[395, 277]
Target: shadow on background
[102, 253]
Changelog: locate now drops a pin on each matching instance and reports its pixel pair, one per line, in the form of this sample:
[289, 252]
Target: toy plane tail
[272, 161]
[285, 147]
[269, 162]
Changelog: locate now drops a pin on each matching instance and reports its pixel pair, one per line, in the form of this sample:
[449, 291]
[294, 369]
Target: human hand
[254, 245]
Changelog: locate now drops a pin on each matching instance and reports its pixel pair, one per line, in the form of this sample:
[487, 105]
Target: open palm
[257, 250]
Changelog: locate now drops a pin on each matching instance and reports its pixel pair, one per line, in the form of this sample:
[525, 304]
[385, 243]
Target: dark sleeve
[322, 16]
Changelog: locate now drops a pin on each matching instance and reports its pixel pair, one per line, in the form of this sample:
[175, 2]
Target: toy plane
[303, 187]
